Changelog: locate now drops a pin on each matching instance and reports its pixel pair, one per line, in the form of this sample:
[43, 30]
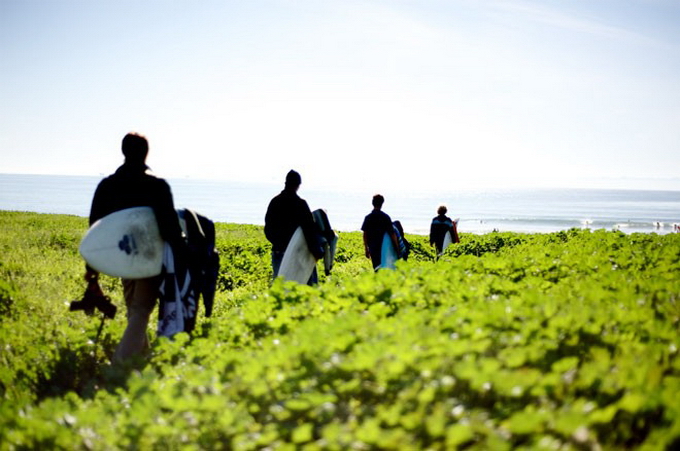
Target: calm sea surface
[480, 211]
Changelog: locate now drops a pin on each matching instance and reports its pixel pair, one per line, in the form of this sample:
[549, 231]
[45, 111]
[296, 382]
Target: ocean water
[480, 211]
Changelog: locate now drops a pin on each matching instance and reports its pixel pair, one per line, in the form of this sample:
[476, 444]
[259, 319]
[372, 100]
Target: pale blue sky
[357, 94]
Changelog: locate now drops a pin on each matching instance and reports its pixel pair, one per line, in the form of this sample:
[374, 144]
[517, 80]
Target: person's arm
[166, 215]
[269, 220]
[454, 232]
[100, 198]
[96, 213]
[368, 252]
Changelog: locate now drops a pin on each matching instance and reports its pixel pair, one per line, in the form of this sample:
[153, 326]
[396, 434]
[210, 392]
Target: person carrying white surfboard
[376, 224]
[286, 212]
[133, 185]
[439, 228]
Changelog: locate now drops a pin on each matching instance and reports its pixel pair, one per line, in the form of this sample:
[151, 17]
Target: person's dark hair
[442, 210]
[378, 201]
[293, 179]
[135, 147]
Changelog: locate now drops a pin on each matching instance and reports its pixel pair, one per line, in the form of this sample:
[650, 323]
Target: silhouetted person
[133, 185]
[285, 213]
[441, 224]
[375, 225]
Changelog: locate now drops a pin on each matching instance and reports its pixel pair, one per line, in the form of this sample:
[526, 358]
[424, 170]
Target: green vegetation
[510, 341]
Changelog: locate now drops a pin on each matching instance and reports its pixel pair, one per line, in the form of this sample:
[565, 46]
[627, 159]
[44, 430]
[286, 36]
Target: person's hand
[368, 253]
[91, 274]
[318, 255]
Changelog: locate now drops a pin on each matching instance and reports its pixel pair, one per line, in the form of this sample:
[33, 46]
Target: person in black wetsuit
[286, 212]
[438, 228]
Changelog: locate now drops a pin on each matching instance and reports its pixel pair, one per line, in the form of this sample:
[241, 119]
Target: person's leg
[375, 260]
[314, 278]
[140, 299]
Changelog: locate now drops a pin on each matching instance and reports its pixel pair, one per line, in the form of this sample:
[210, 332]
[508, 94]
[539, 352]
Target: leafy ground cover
[510, 341]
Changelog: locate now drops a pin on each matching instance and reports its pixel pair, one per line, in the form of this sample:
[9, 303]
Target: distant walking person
[375, 225]
[133, 185]
[442, 224]
[286, 212]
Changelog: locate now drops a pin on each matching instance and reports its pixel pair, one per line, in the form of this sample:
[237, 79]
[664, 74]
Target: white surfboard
[126, 243]
[388, 254]
[448, 238]
[298, 262]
